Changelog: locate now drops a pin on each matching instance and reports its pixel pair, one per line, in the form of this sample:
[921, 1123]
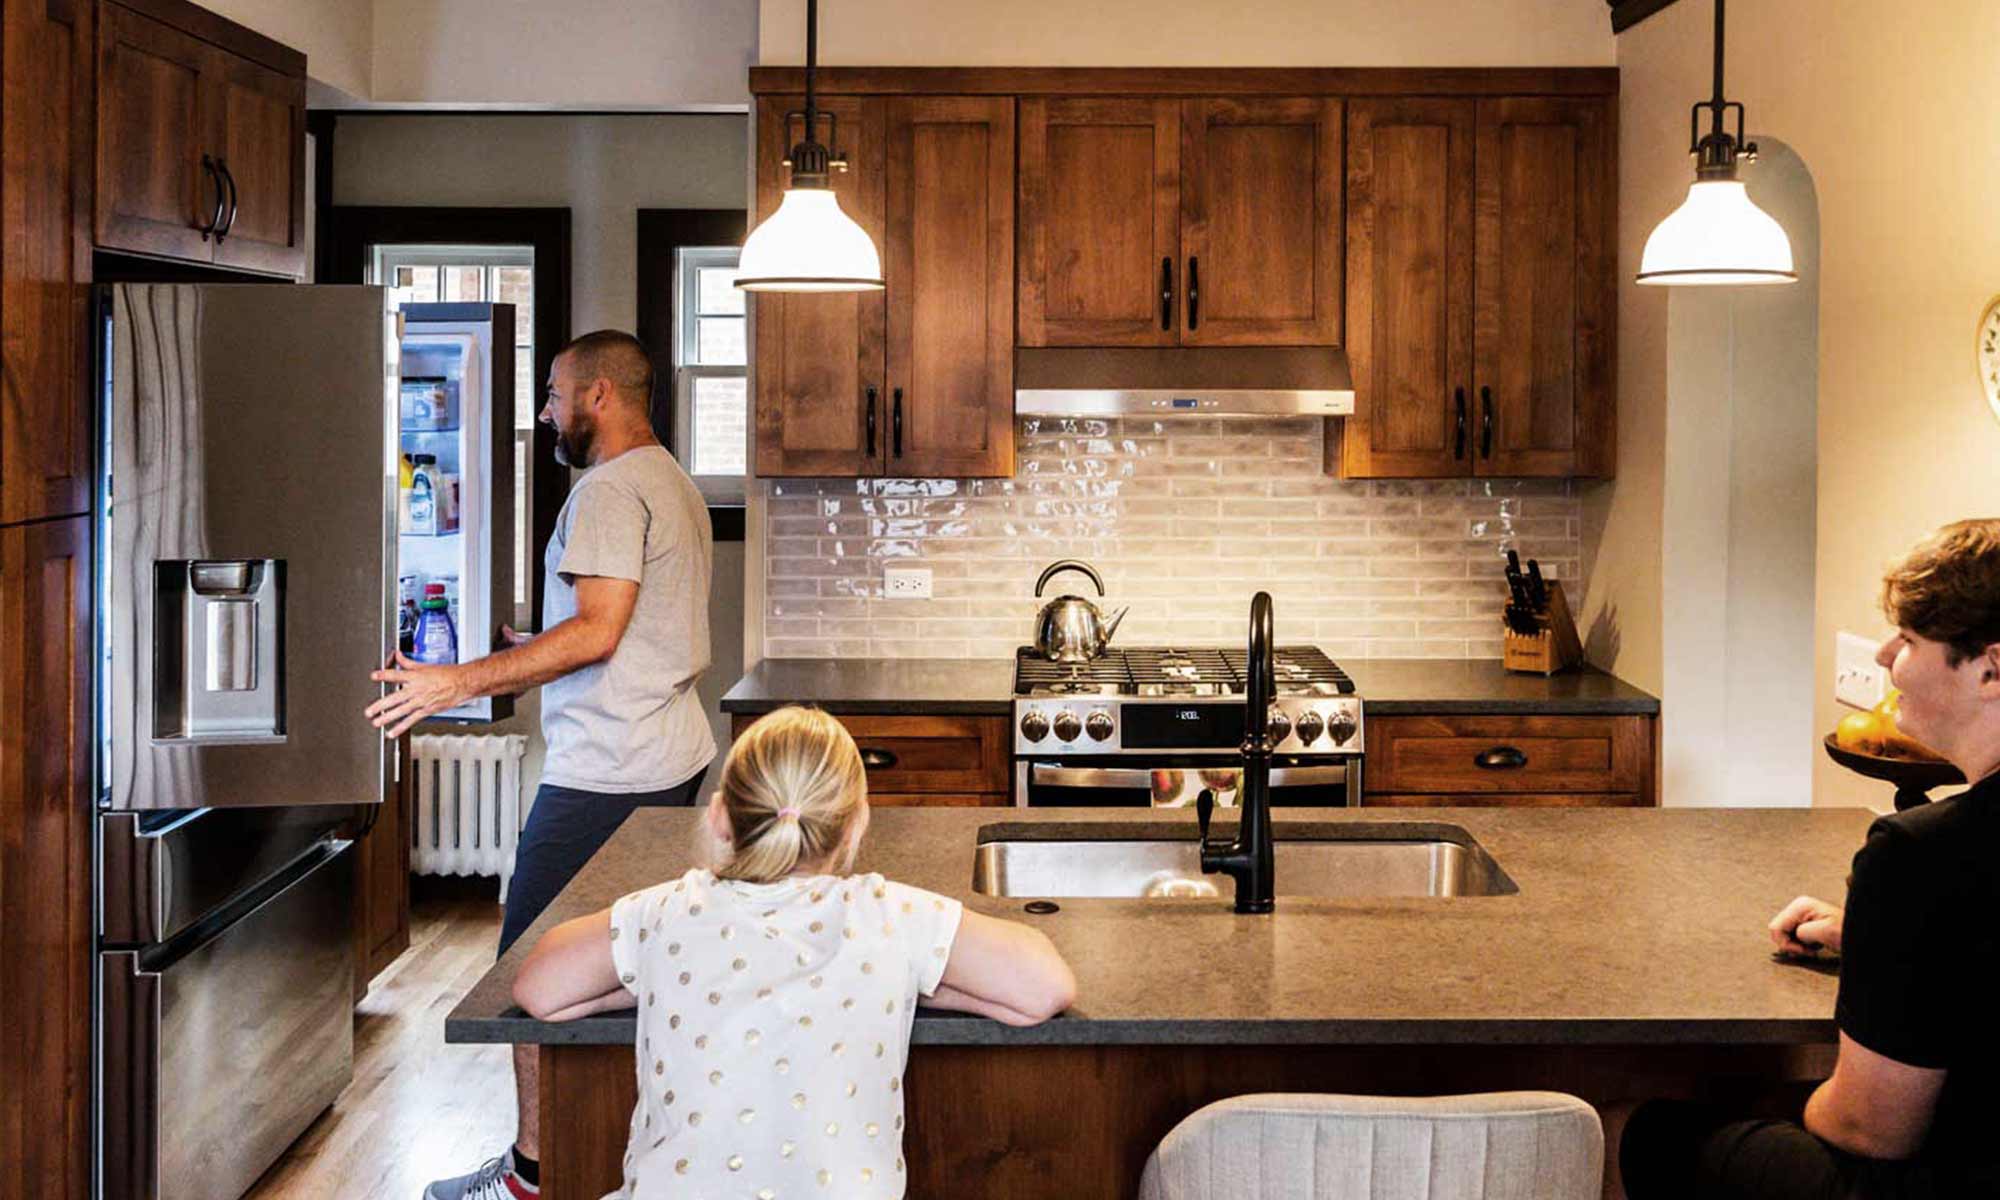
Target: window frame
[688, 262]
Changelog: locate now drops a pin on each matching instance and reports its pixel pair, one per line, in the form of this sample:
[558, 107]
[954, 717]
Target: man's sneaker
[494, 1180]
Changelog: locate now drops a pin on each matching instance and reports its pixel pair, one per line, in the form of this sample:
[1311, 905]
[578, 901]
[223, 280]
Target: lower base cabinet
[1528, 761]
[955, 761]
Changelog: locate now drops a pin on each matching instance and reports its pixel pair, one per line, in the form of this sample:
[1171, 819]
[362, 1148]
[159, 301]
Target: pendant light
[1717, 236]
[809, 245]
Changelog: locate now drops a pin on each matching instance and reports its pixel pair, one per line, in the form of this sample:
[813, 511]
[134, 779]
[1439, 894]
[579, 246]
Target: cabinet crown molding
[1191, 81]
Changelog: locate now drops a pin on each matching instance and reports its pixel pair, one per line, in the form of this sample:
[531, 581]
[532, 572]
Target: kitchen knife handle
[871, 421]
[1194, 291]
[1167, 293]
[896, 422]
[1500, 758]
[1486, 422]
[1458, 438]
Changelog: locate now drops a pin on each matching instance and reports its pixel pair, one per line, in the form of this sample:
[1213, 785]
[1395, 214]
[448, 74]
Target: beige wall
[1892, 123]
[1266, 33]
[336, 36]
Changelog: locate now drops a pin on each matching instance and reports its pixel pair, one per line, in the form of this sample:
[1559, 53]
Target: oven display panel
[1180, 726]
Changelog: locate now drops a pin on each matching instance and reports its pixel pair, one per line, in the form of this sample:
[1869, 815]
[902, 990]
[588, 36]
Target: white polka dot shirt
[774, 1023]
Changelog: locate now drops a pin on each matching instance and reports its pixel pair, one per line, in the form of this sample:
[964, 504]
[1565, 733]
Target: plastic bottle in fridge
[437, 637]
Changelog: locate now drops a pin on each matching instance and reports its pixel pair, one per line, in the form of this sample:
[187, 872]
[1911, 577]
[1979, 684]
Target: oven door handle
[1130, 777]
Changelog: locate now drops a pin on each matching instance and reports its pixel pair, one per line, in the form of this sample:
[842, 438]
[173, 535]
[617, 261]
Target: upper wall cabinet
[917, 379]
[201, 140]
[1480, 288]
[1149, 222]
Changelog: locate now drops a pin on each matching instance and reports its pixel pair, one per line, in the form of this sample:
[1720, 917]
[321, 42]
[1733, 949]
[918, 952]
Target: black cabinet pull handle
[215, 177]
[1500, 758]
[871, 422]
[873, 758]
[896, 422]
[1458, 438]
[1167, 292]
[228, 222]
[1486, 422]
[1194, 291]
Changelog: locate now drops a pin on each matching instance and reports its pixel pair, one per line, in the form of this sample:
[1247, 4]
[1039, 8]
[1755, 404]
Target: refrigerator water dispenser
[218, 655]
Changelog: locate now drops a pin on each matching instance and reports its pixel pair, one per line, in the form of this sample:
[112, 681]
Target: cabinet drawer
[1504, 800]
[1508, 754]
[927, 754]
[939, 800]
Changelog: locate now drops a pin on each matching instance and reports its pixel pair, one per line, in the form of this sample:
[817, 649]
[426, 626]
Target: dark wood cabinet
[949, 263]
[45, 870]
[928, 759]
[1099, 201]
[1213, 221]
[201, 140]
[1540, 761]
[1481, 288]
[916, 379]
[382, 876]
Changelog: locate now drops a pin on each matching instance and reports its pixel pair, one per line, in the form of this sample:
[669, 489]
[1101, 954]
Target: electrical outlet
[906, 583]
[1858, 680]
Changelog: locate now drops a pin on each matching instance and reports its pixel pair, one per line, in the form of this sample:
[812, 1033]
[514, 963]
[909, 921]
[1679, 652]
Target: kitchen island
[1631, 960]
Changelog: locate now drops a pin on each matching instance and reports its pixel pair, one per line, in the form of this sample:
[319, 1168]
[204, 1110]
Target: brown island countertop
[984, 687]
[1631, 927]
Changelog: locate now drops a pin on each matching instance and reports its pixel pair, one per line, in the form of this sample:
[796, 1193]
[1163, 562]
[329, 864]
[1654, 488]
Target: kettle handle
[1069, 564]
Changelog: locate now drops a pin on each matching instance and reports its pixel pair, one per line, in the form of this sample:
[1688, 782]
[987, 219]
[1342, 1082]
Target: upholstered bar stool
[1496, 1146]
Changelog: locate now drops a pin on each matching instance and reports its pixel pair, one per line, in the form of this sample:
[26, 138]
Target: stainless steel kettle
[1069, 629]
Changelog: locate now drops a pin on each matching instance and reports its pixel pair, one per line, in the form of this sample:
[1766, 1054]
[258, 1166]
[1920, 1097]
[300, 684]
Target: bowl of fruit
[1868, 743]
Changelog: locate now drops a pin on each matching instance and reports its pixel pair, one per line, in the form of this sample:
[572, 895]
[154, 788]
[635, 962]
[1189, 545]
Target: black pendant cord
[1716, 152]
[811, 161]
[812, 64]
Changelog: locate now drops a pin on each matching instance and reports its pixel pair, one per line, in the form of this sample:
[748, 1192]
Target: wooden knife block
[1554, 648]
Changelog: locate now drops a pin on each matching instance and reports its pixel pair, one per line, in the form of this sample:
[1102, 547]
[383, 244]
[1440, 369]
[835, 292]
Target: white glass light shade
[1717, 236]
[809, 245]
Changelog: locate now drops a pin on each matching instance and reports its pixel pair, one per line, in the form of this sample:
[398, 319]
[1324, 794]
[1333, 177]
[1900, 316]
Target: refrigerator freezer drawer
[162, 872]
[222, 1046]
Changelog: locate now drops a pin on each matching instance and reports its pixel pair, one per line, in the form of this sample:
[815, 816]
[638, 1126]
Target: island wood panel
[1409, 289]
[45, 839]
[821, 401]
[260, 133]
[1422, 754]
[942, 759]
[1544, 288]
[1261, 221]
[985, 1113]
[1099, 194]
[46, 147]
[950, 270]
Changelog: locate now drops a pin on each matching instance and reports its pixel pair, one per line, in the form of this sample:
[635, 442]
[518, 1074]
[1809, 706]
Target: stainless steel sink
[1347, 861]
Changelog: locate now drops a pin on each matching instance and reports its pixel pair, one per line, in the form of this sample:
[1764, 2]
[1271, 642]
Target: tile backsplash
[1185, 519]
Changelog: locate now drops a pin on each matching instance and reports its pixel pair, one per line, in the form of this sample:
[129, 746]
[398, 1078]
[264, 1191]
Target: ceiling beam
[1627, 13]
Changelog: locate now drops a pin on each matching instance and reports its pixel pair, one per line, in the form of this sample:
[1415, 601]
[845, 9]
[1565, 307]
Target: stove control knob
[1067, 726]
[1341, 727]
[1098, 724]
[1034, 725]
[1280, 725]
[1310, 725]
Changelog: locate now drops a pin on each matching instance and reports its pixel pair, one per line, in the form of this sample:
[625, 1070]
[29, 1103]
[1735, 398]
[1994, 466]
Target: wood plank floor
[418, 1109]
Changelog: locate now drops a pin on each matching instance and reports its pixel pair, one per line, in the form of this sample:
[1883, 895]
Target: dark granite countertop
[1630, 926]
[984, 687]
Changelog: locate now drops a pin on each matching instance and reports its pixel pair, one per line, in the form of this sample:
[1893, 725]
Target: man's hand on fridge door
[417, 690]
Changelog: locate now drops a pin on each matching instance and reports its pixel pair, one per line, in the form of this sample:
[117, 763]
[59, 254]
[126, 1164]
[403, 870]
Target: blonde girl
[775, 989]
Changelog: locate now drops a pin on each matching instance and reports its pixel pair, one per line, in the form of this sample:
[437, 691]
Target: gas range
[1179, 701]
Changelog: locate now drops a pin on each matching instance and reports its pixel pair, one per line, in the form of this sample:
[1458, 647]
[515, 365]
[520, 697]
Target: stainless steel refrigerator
[246, 581]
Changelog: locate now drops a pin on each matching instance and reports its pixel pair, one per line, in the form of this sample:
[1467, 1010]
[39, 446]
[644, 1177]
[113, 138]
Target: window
[485, 274]
[711, 380]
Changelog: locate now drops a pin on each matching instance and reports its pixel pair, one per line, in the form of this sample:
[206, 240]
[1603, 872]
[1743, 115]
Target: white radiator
[468, 805]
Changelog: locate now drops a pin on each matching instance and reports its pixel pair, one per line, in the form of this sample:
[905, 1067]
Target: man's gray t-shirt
[632, 723]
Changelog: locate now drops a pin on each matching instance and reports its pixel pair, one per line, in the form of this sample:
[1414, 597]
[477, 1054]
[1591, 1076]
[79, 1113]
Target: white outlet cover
[906, 583]
[1858, 680]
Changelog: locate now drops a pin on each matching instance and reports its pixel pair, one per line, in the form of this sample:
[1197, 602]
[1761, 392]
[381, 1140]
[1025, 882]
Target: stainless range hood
[1247, 381]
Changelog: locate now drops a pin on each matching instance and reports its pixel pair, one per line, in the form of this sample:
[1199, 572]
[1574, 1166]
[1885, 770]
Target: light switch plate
[906, 583]
[1858, 680]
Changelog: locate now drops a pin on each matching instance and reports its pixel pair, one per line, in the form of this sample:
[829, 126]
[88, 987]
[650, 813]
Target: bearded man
[624, 639]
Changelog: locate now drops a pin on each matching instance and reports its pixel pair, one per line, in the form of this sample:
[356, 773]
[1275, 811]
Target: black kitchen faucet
[1247, 860]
